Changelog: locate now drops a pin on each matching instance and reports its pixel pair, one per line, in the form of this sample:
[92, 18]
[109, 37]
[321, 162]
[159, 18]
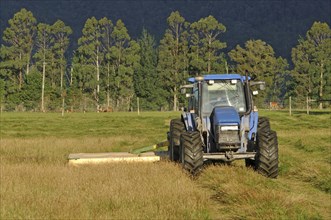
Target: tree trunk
[108, 85]
[98, 85]
[62, 92]
[321, 87]
[71, 76]
[29, 58]
[307, 103]
[28, 67]
[20, 77]
[309, 86]
[177, 40]
[175, 98]
[28, 62]
[138, 110]
[52, 73]
[209, 57]
[61, 73]
[43, 87]
[63, 101]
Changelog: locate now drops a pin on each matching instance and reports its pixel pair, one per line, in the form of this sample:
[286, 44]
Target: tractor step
[98, 158]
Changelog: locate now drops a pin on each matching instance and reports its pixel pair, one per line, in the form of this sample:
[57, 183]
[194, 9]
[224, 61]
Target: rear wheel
[191, 151]
[266, 159]
[263, 124]
[176, 128]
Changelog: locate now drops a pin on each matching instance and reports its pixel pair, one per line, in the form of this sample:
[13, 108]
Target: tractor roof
[219, 77]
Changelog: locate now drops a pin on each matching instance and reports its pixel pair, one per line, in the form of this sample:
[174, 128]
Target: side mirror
[184, 87]
[260, 83]
[262, 86]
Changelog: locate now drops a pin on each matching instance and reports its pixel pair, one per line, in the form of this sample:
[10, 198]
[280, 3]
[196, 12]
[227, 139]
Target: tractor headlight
[230, 128]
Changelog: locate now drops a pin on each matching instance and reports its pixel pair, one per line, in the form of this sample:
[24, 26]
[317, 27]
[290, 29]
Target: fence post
[138, 110]
[307, 105]
[290, 103]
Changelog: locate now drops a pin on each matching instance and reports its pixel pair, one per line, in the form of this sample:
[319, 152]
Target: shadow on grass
[319, 112]
[304, 111]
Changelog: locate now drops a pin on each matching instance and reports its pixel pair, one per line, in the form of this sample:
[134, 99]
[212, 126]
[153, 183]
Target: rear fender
[188, 119]
[244, 130]
[248, 128]
[253, 121]
[206, 127]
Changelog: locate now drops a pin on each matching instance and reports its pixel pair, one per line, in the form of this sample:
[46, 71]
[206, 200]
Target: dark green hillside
[277, 22]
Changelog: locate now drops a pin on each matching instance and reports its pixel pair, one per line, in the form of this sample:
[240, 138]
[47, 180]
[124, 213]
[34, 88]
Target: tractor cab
[217, 91]
[221, 93]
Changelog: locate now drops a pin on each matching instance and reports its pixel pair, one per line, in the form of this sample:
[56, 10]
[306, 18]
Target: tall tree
[282, 82]
[124, 54]
[44, 43]
[258, 58]
[146, 81]
[78, 83]
[173, 55]
[106, 27]
[206, 46]
[8, 74]
[90, 50]
[61, 33]
[312, 64]
[19, 38]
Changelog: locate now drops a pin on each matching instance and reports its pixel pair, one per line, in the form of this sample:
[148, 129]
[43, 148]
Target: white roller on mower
[145, 154]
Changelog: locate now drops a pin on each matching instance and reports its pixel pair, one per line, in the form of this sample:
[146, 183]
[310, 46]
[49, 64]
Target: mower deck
[98, 158]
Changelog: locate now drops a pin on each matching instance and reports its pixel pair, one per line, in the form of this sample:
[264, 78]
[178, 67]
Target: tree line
[109, 70]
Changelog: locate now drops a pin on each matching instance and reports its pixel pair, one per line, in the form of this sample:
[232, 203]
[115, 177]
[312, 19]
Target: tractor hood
[225, 115]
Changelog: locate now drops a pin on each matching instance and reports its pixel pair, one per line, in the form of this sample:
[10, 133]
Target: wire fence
[306, 104]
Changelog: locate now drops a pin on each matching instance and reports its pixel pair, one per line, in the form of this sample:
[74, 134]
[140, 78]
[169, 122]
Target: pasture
[37, 183]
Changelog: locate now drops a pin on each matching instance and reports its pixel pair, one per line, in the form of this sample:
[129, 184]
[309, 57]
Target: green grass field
[37, 183]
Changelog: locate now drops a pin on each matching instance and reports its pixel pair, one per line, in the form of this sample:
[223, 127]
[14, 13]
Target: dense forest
[109, 69]
[278, 22]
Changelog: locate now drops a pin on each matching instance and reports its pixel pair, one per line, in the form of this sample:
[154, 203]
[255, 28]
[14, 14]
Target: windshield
[223, 93]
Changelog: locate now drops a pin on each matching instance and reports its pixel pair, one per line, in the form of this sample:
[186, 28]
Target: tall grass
[123, 191]
[36, 181]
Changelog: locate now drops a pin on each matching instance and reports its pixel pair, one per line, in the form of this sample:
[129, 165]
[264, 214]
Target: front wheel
[262, 127]
[191, 151]
[266, 158]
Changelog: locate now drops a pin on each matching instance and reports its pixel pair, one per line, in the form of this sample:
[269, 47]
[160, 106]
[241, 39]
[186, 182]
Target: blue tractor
[221, 123]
